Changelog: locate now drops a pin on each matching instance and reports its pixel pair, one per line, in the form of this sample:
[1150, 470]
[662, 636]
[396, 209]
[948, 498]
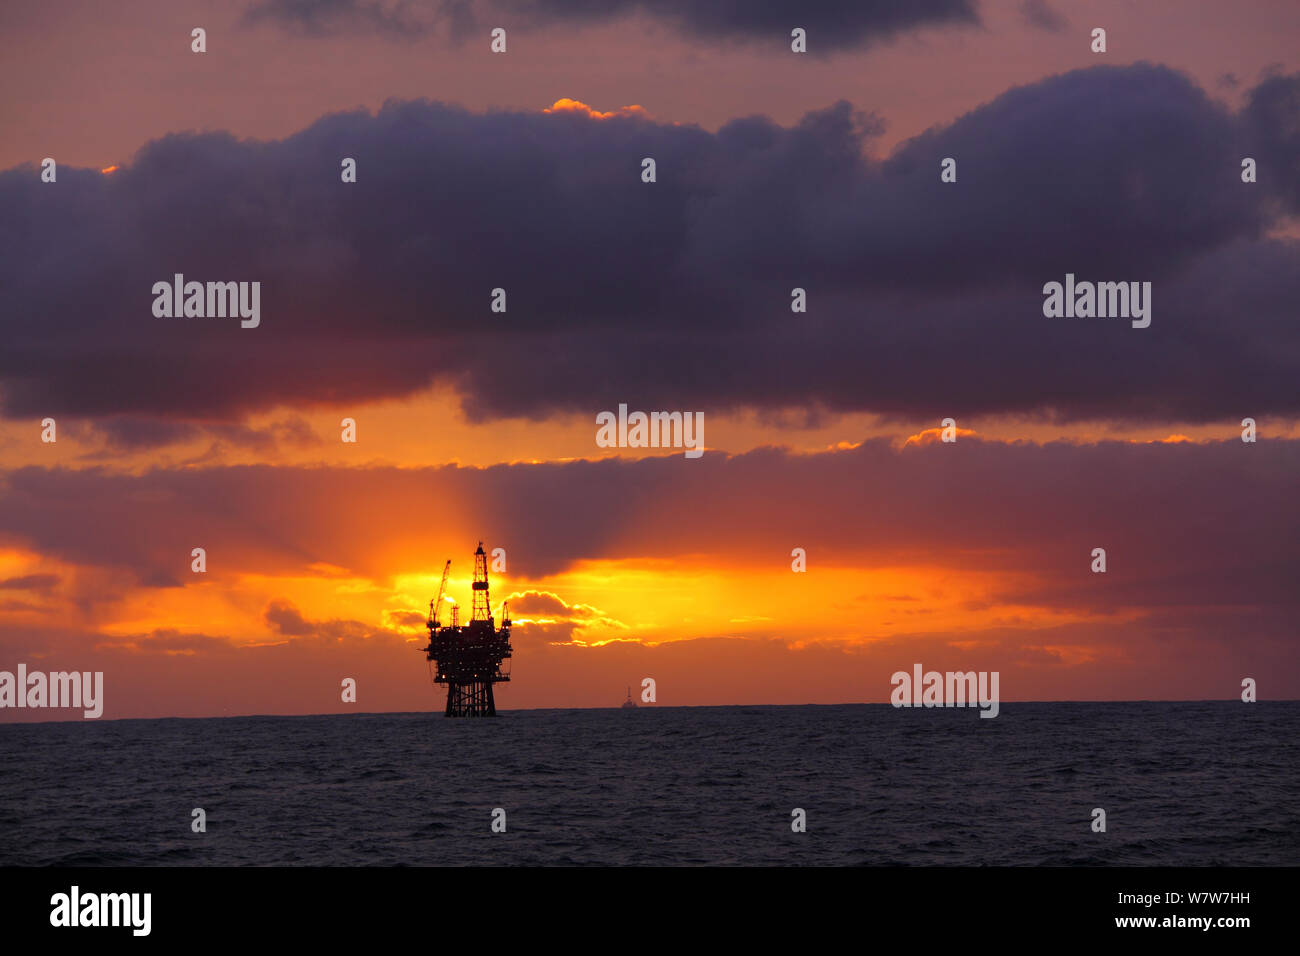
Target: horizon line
[525, 710]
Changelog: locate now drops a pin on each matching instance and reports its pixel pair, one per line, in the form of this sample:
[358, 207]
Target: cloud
[405, 620]
[1026, 514]
[564, 104]
[167, 641]
[1273, 115]
[128, 433]
[831, 24]
[1040, 15]
[545, 614]
[1202, 540]
[925, 298]
[538, 602]
[122, 433]
[287, 620]
[30, 582]
[397, 19]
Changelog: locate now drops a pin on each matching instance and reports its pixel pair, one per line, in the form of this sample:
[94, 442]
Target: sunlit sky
[622, 563]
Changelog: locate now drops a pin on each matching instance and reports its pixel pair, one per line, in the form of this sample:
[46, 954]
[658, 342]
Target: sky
[775, 170]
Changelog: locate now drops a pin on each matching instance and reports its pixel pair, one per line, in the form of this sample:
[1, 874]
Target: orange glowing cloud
[566, 105]
[108, 170]
[1170, 440]
[931, 436]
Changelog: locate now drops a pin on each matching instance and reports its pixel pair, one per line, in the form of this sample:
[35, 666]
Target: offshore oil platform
[469, 656]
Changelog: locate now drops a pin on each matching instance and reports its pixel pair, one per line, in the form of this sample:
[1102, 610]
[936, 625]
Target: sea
[1181, 784]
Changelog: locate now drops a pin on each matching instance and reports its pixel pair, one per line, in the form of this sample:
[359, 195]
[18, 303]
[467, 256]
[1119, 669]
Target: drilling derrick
[469, 655]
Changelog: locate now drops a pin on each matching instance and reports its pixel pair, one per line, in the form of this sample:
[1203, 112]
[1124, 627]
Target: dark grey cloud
[1273, 115]
[123, 433]
[30, 582]
[1041, 15]
[924, 297]
[399, 19]
[134, 433]
[285, 619]
[831, 24]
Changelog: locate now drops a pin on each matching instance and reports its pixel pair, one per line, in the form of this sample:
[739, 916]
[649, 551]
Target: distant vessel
[629, 704]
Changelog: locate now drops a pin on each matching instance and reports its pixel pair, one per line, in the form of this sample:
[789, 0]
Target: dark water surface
[1182, 784]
